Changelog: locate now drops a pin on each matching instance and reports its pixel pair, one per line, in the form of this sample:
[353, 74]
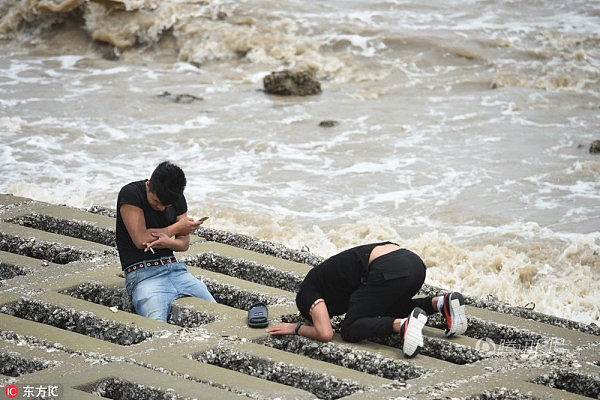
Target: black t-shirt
[335, 279]
[134, 194]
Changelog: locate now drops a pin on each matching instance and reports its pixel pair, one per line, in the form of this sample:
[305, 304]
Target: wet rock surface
[235, 297]
[183, 98]
[106, 51]
[291, 83]
[492, 332]
[80, 322]
[439, 348]
[8, 271]
[121, 389]
[189, 317]
[502, 394]
[100, 294]
[364, 361]
[321, 385]
[14, 365]
[52, 252]
[247, 270]
[108, 212]
[328, 123]
[260, 246]
[574, 382]
[73, 229]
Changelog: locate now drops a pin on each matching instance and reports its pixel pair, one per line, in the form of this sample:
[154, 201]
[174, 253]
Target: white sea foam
[11, 124]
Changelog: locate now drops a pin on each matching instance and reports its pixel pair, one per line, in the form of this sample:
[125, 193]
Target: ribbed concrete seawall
[67, 329]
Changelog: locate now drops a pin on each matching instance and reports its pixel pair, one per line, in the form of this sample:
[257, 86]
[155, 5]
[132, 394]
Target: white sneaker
[413, 332]
[454, 312]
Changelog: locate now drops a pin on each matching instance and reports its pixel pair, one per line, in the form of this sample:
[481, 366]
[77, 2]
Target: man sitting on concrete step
[152, 223]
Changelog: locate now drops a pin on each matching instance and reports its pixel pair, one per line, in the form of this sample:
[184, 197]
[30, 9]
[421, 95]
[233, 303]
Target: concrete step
[68, 327]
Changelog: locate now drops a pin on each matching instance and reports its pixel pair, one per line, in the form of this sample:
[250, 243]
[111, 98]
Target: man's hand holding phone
[188, 225]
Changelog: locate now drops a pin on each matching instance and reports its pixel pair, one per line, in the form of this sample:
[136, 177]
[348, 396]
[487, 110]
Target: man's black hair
[167, 182]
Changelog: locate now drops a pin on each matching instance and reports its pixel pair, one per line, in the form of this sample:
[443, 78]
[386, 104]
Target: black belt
[149, 263]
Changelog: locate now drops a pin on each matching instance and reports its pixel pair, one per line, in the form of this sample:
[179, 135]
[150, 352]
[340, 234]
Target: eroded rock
[292, 83]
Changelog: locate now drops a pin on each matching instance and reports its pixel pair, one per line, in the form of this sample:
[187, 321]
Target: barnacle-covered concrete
[66, 322]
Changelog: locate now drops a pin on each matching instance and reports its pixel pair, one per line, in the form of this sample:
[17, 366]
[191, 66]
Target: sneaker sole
[457, 316]
[413, 336]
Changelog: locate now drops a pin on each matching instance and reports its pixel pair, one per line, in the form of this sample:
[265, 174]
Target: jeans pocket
[130, 282]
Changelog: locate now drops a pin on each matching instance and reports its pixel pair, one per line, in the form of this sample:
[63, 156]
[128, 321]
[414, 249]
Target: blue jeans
[153, 289]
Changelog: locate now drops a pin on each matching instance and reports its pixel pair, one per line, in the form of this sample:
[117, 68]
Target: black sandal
[258, 315]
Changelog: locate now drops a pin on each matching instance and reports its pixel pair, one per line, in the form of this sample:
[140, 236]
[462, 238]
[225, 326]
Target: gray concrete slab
[66, 322]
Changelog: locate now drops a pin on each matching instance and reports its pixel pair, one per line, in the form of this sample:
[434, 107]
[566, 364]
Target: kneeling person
[373, 285]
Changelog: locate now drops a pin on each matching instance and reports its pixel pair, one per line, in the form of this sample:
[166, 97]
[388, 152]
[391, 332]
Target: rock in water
[183, 98]
[328, 123]
[290, 83]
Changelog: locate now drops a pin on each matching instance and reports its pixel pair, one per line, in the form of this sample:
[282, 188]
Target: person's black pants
[387, 294]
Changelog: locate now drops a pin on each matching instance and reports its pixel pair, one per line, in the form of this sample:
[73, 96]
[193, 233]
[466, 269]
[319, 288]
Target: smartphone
[202, 219]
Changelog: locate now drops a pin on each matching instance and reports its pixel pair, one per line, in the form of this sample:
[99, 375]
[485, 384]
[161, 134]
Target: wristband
[298, 325]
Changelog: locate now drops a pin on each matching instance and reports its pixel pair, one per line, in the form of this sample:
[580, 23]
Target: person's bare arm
[163, 241]
[320, 330]
[133, 218]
